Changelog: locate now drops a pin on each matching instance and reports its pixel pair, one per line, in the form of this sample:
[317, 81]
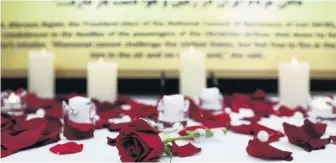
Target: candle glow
[294, 60]
[12, 98]
[100, 59]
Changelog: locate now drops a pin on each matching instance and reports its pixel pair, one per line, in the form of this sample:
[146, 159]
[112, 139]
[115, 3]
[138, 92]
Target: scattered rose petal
[314, 130]
[184, 150]
[67, 148]
[306, 136]
[116, 126]
[191, 128]
[262, 150]
[252, 119]
[111, 141]
[284, 111]
[333, 138]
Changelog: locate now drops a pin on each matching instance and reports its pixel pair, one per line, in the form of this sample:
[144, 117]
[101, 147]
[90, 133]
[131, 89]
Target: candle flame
[101, 59]
[191, 49]
[294, 60]
[12, 98]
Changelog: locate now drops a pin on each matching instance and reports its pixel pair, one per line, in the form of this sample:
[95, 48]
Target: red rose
[139, 142]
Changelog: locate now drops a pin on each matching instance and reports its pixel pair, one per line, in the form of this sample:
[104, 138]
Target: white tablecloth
[220, 148]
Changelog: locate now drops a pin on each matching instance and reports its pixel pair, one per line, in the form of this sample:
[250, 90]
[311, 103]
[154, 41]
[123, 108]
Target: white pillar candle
[192, 74]
[102, 80]
[41, 75]
[294, 84]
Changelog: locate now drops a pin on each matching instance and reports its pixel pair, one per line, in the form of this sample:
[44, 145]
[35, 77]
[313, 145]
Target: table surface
[224, 148]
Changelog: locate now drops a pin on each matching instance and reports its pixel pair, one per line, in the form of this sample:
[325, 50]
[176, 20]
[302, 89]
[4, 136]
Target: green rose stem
[191, 135]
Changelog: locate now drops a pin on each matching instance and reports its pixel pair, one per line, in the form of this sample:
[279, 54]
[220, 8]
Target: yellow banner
[241, 38]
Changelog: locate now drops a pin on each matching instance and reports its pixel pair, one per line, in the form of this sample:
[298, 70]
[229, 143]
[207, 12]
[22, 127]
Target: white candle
[192, 74]
[294, 84]
[41, 74]
[12, 103]
[321, 106]
[102, 80]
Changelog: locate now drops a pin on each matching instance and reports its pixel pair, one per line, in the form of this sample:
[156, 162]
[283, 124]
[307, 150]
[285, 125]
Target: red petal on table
[185, 150]
[55, 110]
[227, 101]
[5, 152]
[116, 126]
[191, 128]
[259, 94]
[262, 150]
[213, 124]
[219, 120]
[111, 141]
[262, 108]
[295, 134]
[222, 118]
[298, 136]
[314, 130]
[258, 127]
[101, 123]
[255, 118]
[253, 129]
[66, 148]
[333, 138]
[139, 110]
[242, 129]
[319, 143]
[52, 130]
[23, 139]
[8, 121]
[284, 111]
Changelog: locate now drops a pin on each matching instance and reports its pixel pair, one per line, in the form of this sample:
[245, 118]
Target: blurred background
[244, 41]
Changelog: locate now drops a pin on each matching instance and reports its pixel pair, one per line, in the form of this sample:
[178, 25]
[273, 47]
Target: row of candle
[294, 79]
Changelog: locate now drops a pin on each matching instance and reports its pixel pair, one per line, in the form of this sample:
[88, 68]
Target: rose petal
[143, 126]
[184, 150]
[259, 94]
[306, 136]
[254, 128]
[254, 119]
[66, 148]
[333, 138]
[116, 126]
[319, 143]
[191, 128]
[23, 139]
[262, 150]
[111, 141]
[284, 111]
[314, 130]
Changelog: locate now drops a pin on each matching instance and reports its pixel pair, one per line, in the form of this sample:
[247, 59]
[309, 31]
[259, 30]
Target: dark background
[152, 86]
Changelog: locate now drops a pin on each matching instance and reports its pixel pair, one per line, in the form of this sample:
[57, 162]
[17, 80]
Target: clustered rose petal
[307, 136]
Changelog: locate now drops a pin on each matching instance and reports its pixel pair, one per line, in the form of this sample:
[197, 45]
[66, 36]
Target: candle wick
[100, 60]
[294, 60]
[191, 49]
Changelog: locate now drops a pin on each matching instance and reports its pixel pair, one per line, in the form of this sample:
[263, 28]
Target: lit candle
[102, 80]
[13, 102]
[321, 106]
[41, 73]
[294, 84]
[192, 74]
